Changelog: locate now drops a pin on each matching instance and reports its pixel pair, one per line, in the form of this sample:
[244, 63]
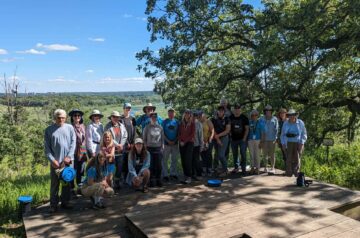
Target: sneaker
[166, 179]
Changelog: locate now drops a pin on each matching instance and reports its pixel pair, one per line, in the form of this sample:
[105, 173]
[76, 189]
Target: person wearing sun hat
[94, 132]
[293, 138]
[80, 156]
[269, 135]
[119, 135]
[145, 119]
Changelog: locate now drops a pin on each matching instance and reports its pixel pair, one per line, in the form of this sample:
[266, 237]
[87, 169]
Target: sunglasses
[77, 115]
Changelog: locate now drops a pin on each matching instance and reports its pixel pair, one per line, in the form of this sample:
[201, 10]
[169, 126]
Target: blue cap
[127, 104]
[68, 174]
[25, 199]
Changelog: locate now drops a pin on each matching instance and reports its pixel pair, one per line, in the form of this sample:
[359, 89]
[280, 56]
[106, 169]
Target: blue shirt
[91, 174]
[270, 128]
[297, 129]
[144, 120]
[171, 129]
[255, 129]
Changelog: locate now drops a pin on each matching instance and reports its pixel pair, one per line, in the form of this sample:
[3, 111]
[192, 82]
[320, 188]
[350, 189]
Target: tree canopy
[302, 54]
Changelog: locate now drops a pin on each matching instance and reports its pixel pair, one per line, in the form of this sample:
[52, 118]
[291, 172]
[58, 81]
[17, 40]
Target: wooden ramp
[255, 206]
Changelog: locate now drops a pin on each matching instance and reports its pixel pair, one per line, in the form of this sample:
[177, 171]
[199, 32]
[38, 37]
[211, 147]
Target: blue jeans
[235, 146]
[220, 151]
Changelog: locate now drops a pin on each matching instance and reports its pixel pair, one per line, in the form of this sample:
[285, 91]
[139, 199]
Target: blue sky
[73, 45]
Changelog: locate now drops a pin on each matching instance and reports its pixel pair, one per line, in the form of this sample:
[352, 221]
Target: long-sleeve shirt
[153, 135]
[60, 142]
[199, 138]
[94, 133]
[293, 132]
[187, 132]
[270, 128]
[136, 162]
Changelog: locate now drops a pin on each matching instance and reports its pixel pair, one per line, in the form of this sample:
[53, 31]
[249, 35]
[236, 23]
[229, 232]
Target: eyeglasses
[61, 118]
[128, 108]
[77, 115]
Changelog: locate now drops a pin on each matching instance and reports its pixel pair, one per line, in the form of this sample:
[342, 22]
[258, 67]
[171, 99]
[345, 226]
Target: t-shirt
[139, 162]
[238, 126]
[171, 128]
[91, 173]
[220, 124]
[130, 124]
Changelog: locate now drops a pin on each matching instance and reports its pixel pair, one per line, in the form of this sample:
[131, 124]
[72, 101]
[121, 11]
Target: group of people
[106, 157]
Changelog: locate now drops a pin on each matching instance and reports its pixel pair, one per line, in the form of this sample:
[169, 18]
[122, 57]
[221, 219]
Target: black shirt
[238, 126]
[220, 124]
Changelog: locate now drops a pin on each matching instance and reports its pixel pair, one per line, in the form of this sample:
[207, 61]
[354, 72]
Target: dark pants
[125, 168]
[235, 146]
[206, 156]
[186, 154]
[54, 190]
[78, 166]
[196, 165]
[155, 162]
[118, 165]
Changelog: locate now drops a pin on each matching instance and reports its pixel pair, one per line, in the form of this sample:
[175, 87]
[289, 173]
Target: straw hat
[292, 112]
[114, 114]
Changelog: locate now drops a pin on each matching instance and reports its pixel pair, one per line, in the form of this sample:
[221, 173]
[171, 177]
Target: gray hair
[59, 112]
[254, 111]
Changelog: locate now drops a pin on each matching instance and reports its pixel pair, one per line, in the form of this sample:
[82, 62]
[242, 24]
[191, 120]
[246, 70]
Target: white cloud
[12, 59]
[57, 47]
[141, 18]
[123, 80]
[127, 15]
[3, 52]
[32, 52]
[89, 71]
[97, 39]
[61, 79]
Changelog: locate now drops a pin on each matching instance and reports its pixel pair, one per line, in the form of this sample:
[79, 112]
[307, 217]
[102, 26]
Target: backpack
[301, 182]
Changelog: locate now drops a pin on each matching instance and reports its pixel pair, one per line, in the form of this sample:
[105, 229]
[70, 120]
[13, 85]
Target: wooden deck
[259, 206]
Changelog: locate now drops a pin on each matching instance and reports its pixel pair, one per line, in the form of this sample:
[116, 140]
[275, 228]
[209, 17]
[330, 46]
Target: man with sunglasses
[130, 124]
[60, 143]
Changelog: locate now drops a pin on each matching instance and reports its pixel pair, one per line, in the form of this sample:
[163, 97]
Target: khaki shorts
[268, 148]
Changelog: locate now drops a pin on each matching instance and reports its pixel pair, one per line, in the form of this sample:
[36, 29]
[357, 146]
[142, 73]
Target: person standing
[80, 156]
[186, 142]
[293, 138]
[239, 133]
[60, 144]
[270, 127]
[255, 130]
[94, 132]
[171, 147]
[222, 129]
[130, 125]
[153, 137]
[145, 119]
[208, 134]
[198, 147]
[119, 135]
[281, 119]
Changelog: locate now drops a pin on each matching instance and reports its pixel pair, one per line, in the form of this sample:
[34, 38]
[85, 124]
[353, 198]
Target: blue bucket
[214, 183]
[68, 174]
[24, 204]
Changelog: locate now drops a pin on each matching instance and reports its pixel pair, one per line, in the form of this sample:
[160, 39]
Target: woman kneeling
[96, 185]
[139, 163]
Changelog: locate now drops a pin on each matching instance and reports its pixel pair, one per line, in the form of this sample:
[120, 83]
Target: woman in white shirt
[94, 132]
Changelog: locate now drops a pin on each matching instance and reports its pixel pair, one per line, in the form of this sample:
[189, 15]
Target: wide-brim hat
[114, 114]
[96, 113]
[292, 112]
[72, 112]
[268, 108]
[149, 105]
